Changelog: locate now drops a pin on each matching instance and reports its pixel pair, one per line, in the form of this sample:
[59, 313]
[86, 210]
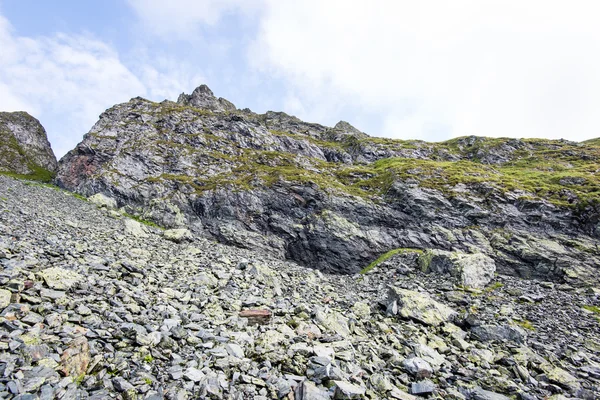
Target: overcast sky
[428, 69]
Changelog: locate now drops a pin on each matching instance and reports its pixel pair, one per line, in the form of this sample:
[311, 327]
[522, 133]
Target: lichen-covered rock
[5, 296]
[103, 201]
[59, 278]
[178, 235]
[472, 270]
[418, 306]
[75, 359]
[24, 146]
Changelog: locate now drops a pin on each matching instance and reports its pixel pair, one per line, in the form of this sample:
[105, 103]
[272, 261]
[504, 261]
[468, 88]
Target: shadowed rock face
[334, 198]
[24, 146]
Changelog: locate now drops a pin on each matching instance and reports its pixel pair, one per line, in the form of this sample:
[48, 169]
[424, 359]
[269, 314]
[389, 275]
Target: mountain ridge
[336, 198]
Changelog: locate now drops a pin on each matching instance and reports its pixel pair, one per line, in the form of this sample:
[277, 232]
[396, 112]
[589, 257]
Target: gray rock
[418, 367]
[472, 270]
[481, 394]
[423, 388]
[24, 146]
[418, 306]
[486, 333]
[178, 235]
[5, 296]
[307, 390]
[103, 201]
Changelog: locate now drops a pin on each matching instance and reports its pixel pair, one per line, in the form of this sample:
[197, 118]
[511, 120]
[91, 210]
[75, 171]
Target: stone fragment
[487, 333]
[423, 388]
[418, 367]
[307, 390]
[256, 316]
[134, 228]
[59, 278]
[347, 390]
[5, 296]
[75, 359]
[481, 394]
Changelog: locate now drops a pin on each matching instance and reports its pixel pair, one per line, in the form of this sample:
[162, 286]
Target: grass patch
[594, 309]
[142, 221]
[525, 324]
[493, 286]
[148, 358]
[387, 256]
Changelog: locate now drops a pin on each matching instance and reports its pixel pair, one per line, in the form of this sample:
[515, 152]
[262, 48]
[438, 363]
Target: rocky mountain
[336, 199]
[24, 147]
[96, 305]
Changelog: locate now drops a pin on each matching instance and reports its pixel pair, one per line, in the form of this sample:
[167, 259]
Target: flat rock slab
[418, 306]
[59, 278]
[256, 316]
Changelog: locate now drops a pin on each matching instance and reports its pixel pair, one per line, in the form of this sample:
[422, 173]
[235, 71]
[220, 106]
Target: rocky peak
[203, 97]
[345, 127]
[24, 146]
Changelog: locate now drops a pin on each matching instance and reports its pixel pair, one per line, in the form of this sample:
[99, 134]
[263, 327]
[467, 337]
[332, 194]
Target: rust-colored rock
[76, 358]
[256, 316]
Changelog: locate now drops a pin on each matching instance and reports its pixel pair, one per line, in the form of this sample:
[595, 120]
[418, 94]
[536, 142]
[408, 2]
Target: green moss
[148, 358]
[525, 324]
[494, 286]
[594, 309]
[142, 221]
[387, 256]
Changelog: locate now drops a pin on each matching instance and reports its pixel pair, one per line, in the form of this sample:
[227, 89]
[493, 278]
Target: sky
[429, 69]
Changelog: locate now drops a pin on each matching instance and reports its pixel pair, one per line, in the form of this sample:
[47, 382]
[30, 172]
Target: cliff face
[334, 198]
[24, 146]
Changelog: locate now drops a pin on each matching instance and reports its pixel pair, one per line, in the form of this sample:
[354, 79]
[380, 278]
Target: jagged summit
[203, 97]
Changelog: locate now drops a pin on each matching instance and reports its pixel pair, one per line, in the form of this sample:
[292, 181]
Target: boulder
[59, 278]
[488, 333]
[417, 306]
[134, 228]
[178, 235]
[103, 201]
[472, 270]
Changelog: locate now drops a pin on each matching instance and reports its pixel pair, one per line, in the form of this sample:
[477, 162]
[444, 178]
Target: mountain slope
[94, 305]
[24, 147]
[334, 198]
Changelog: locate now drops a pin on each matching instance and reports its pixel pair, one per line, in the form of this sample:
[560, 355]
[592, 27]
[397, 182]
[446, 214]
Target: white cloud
[494, 68]
[184, 18]
[68, 81]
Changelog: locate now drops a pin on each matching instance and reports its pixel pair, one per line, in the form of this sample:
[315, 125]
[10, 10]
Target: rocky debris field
[96, 305]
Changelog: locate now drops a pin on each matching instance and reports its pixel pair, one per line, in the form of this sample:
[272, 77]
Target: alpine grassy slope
[130, 295]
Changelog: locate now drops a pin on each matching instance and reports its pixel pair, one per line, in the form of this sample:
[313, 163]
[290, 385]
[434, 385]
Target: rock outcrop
[334, 198]
[24, 146]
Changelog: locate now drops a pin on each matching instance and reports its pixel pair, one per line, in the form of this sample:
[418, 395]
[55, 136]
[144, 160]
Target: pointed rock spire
[203, 97]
